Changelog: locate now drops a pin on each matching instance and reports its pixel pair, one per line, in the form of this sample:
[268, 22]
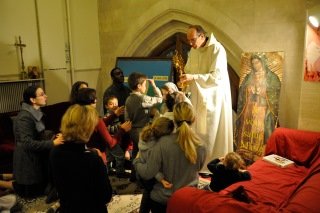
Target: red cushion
[306, 198]
[300, 146]
[273, 189]
[191, 199]
[270, 185]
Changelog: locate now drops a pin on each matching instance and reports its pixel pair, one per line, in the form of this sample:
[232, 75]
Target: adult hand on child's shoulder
[58, 139]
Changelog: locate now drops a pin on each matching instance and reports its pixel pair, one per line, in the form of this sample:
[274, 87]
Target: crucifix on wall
[20, 46]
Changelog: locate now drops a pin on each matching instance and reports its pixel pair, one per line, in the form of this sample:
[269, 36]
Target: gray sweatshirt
[137, 108]
[145, 151]
[167, 157]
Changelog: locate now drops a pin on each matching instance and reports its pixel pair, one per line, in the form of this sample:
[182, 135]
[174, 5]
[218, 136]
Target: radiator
[11, 93]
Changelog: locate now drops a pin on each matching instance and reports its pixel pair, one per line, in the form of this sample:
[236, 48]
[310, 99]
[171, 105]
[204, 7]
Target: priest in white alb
[208, 81]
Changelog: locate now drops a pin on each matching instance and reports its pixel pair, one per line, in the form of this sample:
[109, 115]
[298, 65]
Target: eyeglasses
[194, 40]
[41, 95]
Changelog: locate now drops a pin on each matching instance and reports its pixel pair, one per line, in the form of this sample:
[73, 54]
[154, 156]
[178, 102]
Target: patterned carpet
[126, 199]
[127, 196]
[125, 203]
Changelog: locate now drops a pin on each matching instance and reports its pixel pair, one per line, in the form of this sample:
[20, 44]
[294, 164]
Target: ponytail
[188, 140]
[147, 133]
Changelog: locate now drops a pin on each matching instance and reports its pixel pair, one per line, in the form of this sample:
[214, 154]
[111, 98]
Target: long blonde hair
[159, 127]
[78, 123]
[187, 139]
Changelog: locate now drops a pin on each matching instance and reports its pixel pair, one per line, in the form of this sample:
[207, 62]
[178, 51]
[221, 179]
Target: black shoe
[123, 175]
[127, 164]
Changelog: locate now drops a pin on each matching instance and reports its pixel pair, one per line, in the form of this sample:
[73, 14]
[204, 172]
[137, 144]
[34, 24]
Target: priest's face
[195, 39]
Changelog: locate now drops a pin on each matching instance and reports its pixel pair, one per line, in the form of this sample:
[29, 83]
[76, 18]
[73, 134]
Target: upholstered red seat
[272, 189]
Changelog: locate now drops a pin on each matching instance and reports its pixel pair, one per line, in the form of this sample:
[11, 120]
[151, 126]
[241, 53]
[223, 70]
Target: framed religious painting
[258, 102]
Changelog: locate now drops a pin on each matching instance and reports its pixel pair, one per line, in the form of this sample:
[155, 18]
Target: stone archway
[148, 36]
[149, 33]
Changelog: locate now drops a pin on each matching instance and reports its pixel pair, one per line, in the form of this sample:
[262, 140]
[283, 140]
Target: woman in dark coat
[30, 166]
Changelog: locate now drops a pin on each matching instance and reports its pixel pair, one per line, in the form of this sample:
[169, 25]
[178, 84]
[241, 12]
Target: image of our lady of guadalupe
[258, 102]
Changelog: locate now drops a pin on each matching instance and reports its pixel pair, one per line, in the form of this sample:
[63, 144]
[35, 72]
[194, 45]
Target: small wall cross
[20, 45]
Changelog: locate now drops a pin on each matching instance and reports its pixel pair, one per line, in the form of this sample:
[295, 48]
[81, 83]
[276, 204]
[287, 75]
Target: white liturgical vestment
[211, 98]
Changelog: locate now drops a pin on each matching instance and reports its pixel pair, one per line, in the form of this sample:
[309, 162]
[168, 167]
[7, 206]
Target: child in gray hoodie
[148, 138]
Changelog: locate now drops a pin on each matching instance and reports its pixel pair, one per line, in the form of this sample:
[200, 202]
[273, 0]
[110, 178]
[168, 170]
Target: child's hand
[127, 155]
[119, 111]
[126, 126]
[166, 184]
[151, 81]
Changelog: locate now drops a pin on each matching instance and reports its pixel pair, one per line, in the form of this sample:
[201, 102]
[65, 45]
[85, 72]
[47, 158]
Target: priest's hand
[186, 78]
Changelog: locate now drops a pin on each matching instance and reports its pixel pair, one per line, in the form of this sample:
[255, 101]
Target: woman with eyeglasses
[33, 143]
